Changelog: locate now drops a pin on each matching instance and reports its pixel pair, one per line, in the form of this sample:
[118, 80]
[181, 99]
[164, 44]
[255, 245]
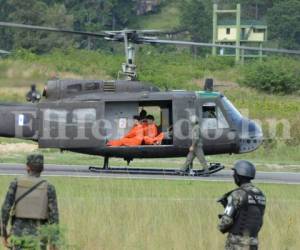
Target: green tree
[197, 19]
[284, 23]
[38, 13]
[97, 15]
[5, 34]
[251, 9]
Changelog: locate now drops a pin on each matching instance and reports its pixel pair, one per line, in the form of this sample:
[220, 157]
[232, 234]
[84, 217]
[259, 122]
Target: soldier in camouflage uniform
[244, 210]
[35, 211]
[196, 149]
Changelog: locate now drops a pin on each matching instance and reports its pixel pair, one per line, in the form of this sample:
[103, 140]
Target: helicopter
[83, 115]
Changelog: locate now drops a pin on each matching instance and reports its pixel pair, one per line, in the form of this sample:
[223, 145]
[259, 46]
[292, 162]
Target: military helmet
[194, 119]
[36, 162]
[244, 168]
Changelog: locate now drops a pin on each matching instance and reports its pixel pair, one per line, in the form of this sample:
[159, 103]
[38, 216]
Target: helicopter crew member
[30, 205]
[196, 149]
[151, 135]
[133, 138]
[143, 115]
[244, 210]
[150, 131]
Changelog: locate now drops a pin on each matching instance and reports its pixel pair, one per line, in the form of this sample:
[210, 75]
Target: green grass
[136, 214]
[276, 160]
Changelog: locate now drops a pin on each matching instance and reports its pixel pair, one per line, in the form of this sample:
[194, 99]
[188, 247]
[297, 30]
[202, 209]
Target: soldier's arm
[53, 216]
[7, 206]
[196, 135]
[234, 202]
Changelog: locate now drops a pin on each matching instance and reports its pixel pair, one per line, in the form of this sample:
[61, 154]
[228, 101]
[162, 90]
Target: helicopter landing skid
[214, 167]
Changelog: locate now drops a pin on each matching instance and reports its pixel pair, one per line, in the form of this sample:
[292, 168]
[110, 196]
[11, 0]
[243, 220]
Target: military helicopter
[82, 115]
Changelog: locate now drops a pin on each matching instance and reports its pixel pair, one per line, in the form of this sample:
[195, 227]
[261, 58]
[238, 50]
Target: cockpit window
[209, 110]
[232, 112]
[212, 117]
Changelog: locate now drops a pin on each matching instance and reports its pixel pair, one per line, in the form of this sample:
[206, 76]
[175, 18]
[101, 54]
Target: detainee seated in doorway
[151, 135]
[133, 138]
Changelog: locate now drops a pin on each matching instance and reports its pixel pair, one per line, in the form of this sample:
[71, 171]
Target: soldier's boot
[184, 170]
[206, 171]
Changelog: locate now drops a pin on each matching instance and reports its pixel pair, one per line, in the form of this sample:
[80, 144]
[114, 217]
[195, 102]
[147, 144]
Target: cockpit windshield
[232, 112]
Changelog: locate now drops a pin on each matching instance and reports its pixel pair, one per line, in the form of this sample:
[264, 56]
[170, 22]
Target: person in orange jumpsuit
[151, 135]
[133, 138]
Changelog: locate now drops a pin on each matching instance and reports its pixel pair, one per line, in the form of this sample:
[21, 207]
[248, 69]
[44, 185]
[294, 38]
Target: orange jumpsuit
[133, 138]
[150, 133]
[151, 136]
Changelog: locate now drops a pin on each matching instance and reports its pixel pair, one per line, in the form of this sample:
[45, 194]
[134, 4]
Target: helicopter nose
[251, 136]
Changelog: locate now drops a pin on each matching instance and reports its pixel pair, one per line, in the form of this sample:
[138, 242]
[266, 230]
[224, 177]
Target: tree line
[282, 18]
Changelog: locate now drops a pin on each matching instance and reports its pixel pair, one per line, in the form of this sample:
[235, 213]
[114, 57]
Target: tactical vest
[35, 204]
[249, 218]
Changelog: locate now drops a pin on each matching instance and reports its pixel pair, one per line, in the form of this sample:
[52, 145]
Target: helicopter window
[91, 86]
[74, 88]
[213, 117]
[222, 123]
[209, 110]
[84, 116]
[232, 112]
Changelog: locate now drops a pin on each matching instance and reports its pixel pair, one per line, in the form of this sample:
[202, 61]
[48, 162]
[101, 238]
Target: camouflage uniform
[236, 200]
[24, 232]
[197, 151]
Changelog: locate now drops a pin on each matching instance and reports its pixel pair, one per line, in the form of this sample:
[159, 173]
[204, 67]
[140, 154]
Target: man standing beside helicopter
[196, 149]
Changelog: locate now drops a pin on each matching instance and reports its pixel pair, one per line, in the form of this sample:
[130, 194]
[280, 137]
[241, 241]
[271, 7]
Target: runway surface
[83, 171]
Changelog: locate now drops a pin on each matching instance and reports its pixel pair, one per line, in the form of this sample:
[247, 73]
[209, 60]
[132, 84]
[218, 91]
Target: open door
[71, 125]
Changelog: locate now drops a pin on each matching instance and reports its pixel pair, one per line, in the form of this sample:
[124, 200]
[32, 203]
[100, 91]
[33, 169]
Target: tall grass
[135, 214]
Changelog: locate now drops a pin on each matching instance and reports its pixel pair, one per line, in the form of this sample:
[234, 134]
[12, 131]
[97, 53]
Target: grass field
[135, 214]
[280, 158]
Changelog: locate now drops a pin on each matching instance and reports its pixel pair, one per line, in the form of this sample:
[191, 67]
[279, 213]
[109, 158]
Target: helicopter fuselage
[82, 116]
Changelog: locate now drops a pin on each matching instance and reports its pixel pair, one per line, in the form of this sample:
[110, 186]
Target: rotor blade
[157, 41]
[137, 31]
[41, 28]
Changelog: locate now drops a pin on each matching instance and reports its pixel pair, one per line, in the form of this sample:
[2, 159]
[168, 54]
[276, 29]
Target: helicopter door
[70, 125]
[215, 129]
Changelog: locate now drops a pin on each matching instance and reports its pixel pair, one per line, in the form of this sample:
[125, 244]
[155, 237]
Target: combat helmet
[194, 119]
[244, 168]
[36, 162]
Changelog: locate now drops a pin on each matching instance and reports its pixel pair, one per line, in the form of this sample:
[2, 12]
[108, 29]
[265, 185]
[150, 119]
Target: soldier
[30, 204]
[33, 95]
[244, 210]
[196, 149]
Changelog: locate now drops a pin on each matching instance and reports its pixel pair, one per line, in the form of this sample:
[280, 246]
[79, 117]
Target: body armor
[249, 218]
[35, 204]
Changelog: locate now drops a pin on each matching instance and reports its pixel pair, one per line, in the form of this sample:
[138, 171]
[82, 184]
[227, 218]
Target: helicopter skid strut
[214, 167]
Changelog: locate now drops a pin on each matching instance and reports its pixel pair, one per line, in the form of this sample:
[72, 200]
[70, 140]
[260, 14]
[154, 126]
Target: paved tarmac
[83, 171]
